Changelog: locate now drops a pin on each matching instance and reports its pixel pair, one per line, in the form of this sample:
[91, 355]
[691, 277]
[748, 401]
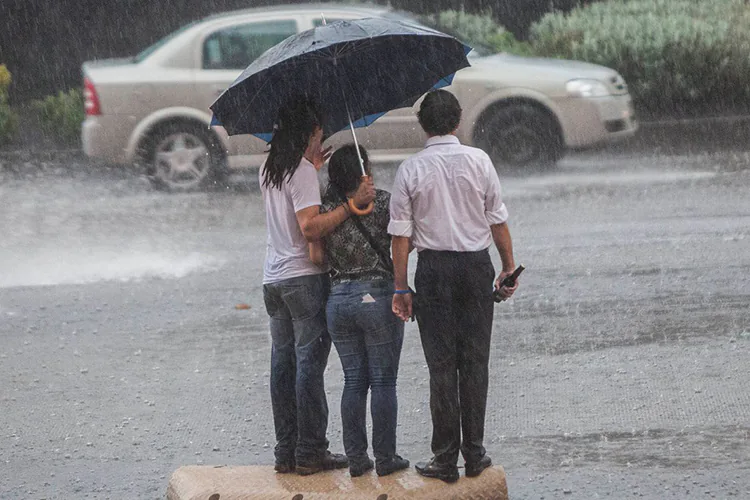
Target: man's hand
[505, 292]
[365, 192]
[402, 306]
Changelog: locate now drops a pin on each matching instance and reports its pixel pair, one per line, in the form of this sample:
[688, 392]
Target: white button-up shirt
[446, 197]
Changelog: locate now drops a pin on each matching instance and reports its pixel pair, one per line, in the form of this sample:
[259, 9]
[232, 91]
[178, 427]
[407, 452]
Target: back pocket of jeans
[304, 301]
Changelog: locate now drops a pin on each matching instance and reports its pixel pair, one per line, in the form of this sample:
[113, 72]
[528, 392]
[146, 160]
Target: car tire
[521, 135]
[183, 156]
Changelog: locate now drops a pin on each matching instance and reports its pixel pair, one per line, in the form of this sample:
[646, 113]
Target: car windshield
[156, 46]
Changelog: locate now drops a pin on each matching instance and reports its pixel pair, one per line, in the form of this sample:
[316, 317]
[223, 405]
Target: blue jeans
[299, 355]
[368, 338]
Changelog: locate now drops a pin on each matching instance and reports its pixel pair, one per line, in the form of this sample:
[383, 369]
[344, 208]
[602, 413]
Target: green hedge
[679, 57]
[61, 116]
[478, 30]
[8, 119]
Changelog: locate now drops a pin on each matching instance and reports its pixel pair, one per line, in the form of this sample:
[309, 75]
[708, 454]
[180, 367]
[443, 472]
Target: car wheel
[521, 135]
[183, 157]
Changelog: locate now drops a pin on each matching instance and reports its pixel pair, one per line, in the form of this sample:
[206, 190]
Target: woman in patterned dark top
[366, 333]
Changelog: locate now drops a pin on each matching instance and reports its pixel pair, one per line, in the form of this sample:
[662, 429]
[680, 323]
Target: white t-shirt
[287, 254]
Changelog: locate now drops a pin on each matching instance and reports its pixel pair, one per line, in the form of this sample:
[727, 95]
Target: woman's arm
[315, 225]
[318, 253]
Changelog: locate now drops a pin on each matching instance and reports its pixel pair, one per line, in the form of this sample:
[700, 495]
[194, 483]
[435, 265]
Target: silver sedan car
[152, 109]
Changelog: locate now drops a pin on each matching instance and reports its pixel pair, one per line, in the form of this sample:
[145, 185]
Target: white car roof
[367, 10]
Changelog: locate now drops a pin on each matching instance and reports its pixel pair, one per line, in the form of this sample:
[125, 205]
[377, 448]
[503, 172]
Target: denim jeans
[368, 338]
[299, 355]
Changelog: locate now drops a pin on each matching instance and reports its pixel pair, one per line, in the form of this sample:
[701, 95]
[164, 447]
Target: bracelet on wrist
[401, 292]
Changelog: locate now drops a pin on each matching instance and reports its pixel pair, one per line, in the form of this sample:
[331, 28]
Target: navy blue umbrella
[357, 70]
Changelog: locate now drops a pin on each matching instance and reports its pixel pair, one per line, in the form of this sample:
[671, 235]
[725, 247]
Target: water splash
[45, 268]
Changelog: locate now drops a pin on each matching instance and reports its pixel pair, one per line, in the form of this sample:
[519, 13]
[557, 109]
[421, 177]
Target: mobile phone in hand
[509, 281]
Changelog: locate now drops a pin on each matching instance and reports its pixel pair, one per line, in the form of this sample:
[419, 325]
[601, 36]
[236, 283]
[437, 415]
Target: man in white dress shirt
[446, 203]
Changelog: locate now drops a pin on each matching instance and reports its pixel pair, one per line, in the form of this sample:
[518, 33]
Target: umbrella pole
[356, 143]
[352, 206]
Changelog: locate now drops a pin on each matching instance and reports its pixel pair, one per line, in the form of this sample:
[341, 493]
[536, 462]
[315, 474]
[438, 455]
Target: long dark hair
[344, 172]
[295, 124]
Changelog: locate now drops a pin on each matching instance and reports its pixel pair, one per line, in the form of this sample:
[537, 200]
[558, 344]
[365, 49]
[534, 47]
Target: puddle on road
[656, 448]
[66, 268]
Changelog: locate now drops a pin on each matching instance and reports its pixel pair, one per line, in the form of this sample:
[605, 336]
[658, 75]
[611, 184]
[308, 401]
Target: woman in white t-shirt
[295, 290]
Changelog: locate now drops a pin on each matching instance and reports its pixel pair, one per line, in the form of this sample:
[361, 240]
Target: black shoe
[476, 468]
[284, 467]
[330, 461]
[390, 466]
[358, 468]
[447, 473]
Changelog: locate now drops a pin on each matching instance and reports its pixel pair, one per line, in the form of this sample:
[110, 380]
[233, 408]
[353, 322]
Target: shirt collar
[442, 139]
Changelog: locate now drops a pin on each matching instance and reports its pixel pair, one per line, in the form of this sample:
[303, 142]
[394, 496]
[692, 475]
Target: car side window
[238, 46]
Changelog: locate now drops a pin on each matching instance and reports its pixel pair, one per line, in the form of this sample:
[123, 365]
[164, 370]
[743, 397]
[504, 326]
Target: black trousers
[454, 312]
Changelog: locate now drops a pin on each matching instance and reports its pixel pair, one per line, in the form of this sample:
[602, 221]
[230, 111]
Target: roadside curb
[695, 121]
[688, 135]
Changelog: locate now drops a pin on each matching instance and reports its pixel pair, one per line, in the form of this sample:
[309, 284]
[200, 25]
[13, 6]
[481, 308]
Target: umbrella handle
[360, 211]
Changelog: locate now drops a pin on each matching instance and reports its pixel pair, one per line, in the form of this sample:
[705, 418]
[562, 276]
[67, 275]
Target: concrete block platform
[259, 482]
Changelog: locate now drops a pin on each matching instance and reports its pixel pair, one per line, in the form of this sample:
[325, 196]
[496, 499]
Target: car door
[397, 132]
[225, 52]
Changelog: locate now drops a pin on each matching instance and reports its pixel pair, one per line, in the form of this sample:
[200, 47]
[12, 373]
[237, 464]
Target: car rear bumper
[105, 137]
[587, 122]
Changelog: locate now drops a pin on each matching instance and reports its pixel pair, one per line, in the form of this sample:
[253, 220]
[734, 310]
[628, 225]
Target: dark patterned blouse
[349, 253]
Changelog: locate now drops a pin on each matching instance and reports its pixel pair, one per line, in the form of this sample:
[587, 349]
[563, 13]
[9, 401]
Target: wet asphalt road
[619, 369]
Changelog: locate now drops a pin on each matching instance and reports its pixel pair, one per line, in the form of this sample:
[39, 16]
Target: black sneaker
[476, 468]
[447, 473]
[390, 466]
[284, 467]
[330, 461]
[359, 467]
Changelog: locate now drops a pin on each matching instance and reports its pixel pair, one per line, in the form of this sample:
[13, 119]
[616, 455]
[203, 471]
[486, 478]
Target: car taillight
[90, 99]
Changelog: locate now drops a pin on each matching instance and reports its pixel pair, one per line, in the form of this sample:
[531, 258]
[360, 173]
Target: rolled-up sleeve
[495, 210]
[402, 221]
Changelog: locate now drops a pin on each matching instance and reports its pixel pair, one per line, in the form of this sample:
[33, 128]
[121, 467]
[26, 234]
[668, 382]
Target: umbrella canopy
[357, 70]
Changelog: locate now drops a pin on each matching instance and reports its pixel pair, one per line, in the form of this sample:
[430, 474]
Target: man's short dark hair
[440, 113]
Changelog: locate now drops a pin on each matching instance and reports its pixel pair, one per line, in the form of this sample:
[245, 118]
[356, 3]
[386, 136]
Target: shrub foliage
[61, 116]
[8, 119]
[479, 30]
[680, 57]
